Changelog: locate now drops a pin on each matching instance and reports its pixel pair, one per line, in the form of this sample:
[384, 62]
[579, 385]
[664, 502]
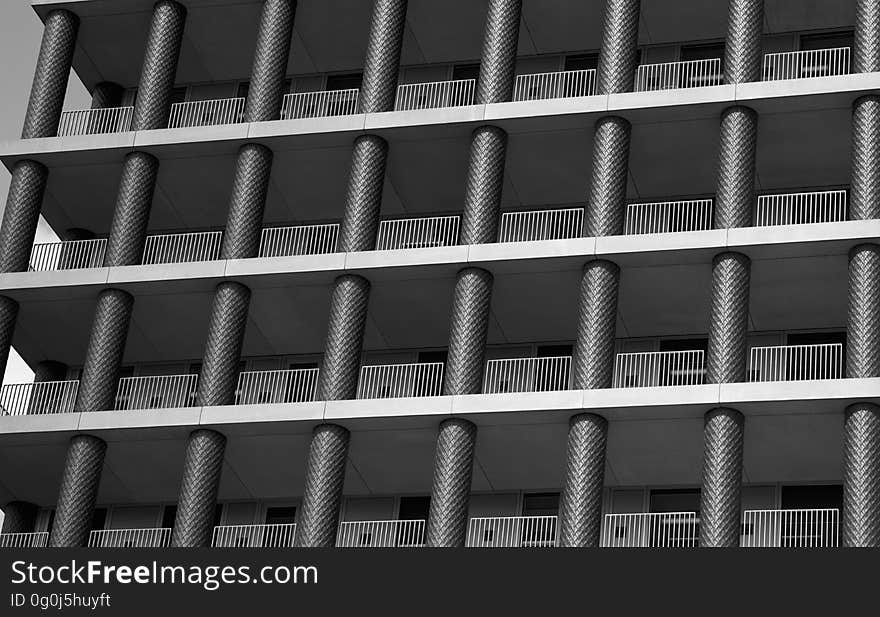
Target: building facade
[487, 273]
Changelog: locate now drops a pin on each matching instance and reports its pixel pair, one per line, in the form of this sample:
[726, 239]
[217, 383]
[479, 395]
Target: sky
[20, 33]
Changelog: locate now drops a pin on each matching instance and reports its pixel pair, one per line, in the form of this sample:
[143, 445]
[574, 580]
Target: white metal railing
[527, 375]
[37, 539]
[651, 530]
[418, 233]
[299, 240]
[269, 387]
[790, 528]
[436, 94]
[319, 104]
[677, 75]
[95, 121]
[796, 362]
[381, 534]
[558, 85]
[157, 537]
[156, 392]
[806, 64]
[541, 225]
[68, 255]
[513, 532]
[42, 397]
[659, 368]
[801, 208]
[182, 248]
[206, 113]
[277, 535]
[400, 380]
[668, 216]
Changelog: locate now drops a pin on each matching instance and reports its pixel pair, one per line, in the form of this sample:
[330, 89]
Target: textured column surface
[197, 501]
[266, 88]
[864, 193]
[382, 62]
[866, 53]
[107, 95]
[451, 488]
[349, 302]
[250, 186]
[468, 331]
[229, 315]
[22, 214]
[728, 319]
[597, 326]
[134, 200]
[19, 517]
[618, 56]
[363, 199]
[607, 203]
[8, 317]
[160, 66]
[861, 476]
[498, 59]
[742, 50]
[721, 492]
[580, 508]
[50, 370]
[79, 491]
[325, 480]
[51, 75]
[735, 195]
[100, 373]
[485, 181]
[863, 314]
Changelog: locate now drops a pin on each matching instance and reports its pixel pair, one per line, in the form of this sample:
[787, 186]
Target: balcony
[418, 233]
[67, 255]
[796, 363]
[38, 398]
[206, 113]
[37, 539]
[278, 535]
[435, 95]
[527, 375]
[668, 217]
[299, 240]
[157, 537]
[558, 85]
[659, 369]
[271, 387]
[381, 534]
[95, 121]
[801, 208]
[791, 529]
[182, 248]
[679, 75]
[651, 530]
[319, 104]
[513, 532]
[807, 64]
[156, 392]
[541, 225]
[400, 380]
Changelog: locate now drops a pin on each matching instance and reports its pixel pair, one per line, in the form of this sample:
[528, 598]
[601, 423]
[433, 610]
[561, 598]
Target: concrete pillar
[866, 53]
[742, 51]
[80, 480]
[861, 476]
[325, 479]
[498, 58]
[468, 332]
[597, 325]
[22, 214]
[382, 62]
[580, 509]
[8, 317]
[451, 487]
[266, 89]
[721, 492]
[618, 56]
[197, 501]
[229, 315]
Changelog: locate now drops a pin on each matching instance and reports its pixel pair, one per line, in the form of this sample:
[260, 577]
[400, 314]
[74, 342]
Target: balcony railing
[527, 375]
[381, 534]
[418, 233]
[158, 537]
[541, 225]
[156, 392]
[435, 95]
[668, 216]
[651, 530]
[38, 539]
[95, 121]
[801, 208]
[206, 113]
[68, 255]
[677, 75]
[182, 248]
[270, 387]
[796, 362]
[319, 104]
[806, 64]
[401, 380]
[659, 369]
[299, 240]
[513, 532]
[38, 398]
[559, 85]
[278, 535]
[791, 528]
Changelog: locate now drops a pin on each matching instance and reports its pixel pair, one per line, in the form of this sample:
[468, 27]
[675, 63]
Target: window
[281, 515]
[467, 71]
[581, 62]
[552, 351]
[827, 40]
[351, 81]
[540, 532]
[675, 529]
[178, 95]
[682, 369]
[811, 529]
[702, 52]
[412, 509]
[828, 63]
[99, 518]
[703, 73]
[168, 515]
[825, 363]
